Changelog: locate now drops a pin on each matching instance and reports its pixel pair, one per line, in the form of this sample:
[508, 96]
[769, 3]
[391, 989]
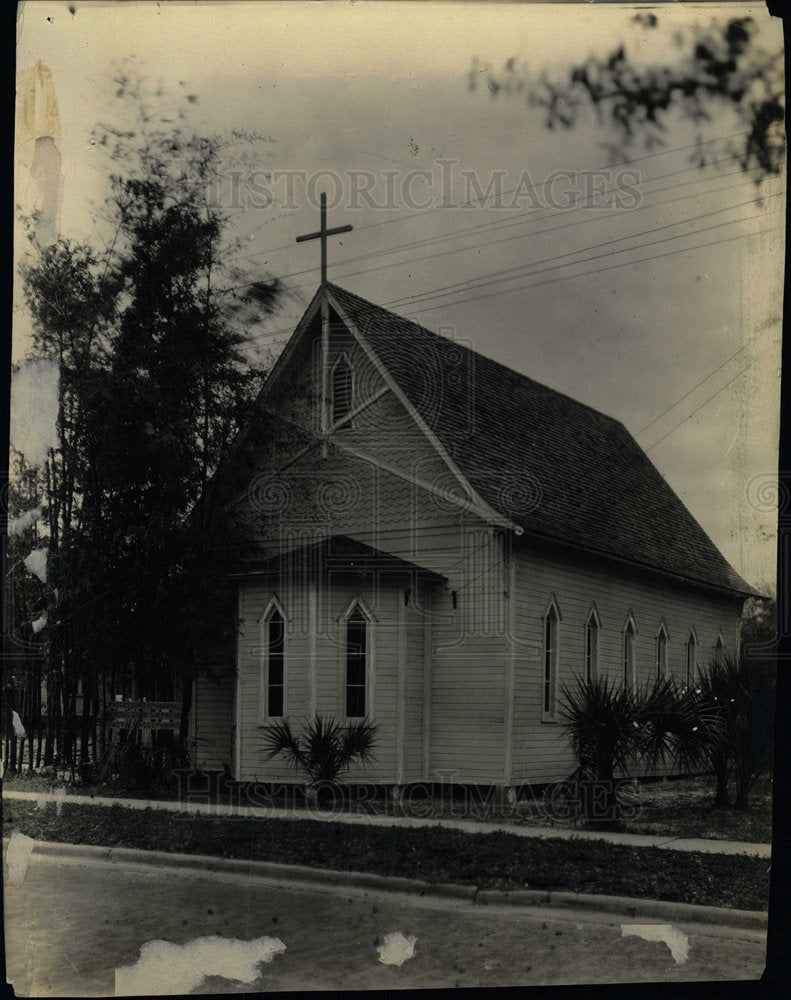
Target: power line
[503, 224]
[419, 298]
[524, 218]
[475, 201]
[698, 384]
[521, 236]
[570, 253]
[582, 274]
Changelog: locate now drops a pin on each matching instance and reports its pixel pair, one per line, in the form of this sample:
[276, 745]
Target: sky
[660, 305]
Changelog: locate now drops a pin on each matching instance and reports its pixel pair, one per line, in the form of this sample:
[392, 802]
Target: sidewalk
[466, 826]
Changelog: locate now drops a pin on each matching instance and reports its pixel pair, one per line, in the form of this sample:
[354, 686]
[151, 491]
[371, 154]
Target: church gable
[361, 421]
[545, 462]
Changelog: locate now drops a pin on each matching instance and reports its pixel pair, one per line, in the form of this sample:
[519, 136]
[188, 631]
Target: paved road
[71, 924]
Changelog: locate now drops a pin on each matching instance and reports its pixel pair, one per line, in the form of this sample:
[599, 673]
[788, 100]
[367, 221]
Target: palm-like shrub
[325, 749]
[741, 694]
[675, 725]
[599, 720]
[612, 727]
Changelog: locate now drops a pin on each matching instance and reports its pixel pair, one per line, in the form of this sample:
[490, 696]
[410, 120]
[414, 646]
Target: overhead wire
[525, 217]
[481, 283]
[475, 201]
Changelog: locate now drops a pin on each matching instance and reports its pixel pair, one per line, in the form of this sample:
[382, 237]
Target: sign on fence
[146, 714]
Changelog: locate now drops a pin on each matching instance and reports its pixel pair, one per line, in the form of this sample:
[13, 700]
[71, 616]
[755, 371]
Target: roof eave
[742, 592]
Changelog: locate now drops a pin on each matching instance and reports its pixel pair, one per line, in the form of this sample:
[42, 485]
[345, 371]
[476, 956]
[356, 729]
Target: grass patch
[683, 808]
[678, 807]
[492, 860]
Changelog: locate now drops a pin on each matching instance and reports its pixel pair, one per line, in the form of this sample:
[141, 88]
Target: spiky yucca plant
[612, 726]
[325, 749]
[676, 725]
[599, 718]
[741, 693]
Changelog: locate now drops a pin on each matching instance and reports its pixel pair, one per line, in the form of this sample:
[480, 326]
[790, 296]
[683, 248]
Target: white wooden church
[436, 543]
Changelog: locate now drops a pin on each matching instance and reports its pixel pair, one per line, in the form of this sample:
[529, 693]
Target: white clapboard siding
[540, 752]
[332, 602]
[414, 690]
[468, 675]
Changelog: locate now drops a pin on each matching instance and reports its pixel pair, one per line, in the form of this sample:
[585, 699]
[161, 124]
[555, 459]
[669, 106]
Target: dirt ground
[70, 925]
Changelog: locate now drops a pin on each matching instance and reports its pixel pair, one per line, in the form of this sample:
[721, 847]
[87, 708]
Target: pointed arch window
[357, 654]
[592, 627]
[692, 657]
[342, 389]
[273, 666]
[661, 652]
[551, 657]
[629, 633]
[719, 651]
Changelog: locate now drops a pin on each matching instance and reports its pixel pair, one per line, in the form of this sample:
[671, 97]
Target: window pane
[690, 659]
[661, 654]
[628, 654]
[275, 700]
[276, 634]
[591, 649]
[275, 669]
[355, 654]
[355, 702]
[356, 628]
[275, 665]
[550, 654]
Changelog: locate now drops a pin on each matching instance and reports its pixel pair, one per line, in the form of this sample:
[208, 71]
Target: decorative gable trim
[360, 408]
[411, 478]
[294, 342]
[481, 507]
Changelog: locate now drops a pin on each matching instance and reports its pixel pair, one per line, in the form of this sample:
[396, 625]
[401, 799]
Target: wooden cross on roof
[322, 235]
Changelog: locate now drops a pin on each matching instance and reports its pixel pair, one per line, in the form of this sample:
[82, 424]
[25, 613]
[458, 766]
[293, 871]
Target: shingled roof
[554, 466]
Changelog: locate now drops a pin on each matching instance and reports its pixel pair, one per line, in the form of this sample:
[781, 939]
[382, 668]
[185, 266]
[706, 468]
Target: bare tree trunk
[721, 797]
[49, 747]
[103, 730]
[186, 709]
[85, 722]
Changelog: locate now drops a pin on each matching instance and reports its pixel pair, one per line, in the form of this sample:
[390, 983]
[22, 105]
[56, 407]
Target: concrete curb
[631, 908]
[202, 863]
